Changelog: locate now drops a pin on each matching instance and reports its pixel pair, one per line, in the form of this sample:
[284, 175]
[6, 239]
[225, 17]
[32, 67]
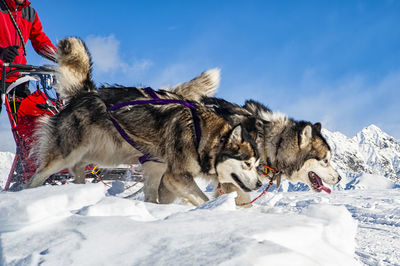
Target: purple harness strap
[156, 100]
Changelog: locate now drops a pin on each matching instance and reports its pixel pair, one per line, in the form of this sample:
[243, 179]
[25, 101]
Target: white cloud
[346, 104]
[172, 75]
[141, 65]
[349, 104]
[105, 52]
[107, 57]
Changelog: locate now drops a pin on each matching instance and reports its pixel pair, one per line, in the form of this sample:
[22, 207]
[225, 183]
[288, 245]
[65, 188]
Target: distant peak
[374, 135]
[373, 127]
[372, 130]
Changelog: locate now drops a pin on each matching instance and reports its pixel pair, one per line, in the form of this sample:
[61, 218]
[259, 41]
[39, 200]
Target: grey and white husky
[296, 149]
[90, 130]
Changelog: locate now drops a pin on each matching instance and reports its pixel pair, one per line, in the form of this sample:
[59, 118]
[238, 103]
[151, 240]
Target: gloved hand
[9, 53]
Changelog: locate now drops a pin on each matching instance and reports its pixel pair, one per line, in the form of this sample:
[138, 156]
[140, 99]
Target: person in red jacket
[19, 22]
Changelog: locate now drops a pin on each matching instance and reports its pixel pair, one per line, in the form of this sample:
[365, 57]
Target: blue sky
[336, 62]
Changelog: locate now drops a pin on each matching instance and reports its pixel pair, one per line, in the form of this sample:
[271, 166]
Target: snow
[16, 213]
[369, 181]
[91, 224]
[84, 225]
[91, 228]
[6, 160]
[111, 206]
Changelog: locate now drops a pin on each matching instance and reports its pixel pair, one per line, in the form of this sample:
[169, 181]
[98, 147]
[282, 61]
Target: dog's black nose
[259, 184]
[339, 178]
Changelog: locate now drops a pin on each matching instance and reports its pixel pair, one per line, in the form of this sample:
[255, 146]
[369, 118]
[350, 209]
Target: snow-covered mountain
[371, 151]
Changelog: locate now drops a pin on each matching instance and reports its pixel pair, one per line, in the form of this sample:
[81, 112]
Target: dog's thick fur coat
[296, 149]
[83, 133]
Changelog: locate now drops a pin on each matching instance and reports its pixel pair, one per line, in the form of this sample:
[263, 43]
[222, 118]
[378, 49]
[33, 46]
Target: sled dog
[296, 149]
[154, 189]
[90, 129]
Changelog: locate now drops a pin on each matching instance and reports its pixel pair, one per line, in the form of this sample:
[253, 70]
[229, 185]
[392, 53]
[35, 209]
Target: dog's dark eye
[247, 164]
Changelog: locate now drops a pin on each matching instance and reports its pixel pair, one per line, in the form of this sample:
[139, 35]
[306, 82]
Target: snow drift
[80, 225]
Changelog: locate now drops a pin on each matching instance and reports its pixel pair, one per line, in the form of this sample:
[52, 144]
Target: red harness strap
[248, 203]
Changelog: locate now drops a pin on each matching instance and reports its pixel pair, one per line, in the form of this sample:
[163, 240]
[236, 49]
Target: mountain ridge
[371, 151]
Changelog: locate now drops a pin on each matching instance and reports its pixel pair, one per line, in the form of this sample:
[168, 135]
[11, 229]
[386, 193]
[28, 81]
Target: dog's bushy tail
[206, 84]
[74, 72]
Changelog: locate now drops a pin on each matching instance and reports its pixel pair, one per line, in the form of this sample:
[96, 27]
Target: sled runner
[40, 99]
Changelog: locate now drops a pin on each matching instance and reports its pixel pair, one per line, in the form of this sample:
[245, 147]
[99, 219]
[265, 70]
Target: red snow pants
[30, 109]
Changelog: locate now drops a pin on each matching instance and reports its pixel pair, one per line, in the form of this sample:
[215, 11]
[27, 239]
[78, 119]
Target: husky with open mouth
[115, 125]
[295, 149]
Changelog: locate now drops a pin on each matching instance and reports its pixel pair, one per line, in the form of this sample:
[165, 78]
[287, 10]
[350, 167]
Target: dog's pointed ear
[305, 137]
[317, 126]
[253, 126]
[236, 135]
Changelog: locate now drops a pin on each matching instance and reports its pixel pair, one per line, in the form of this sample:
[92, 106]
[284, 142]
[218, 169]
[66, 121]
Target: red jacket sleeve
[40, 42]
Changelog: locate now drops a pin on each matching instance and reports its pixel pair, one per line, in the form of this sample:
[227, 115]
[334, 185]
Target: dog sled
[23, 112]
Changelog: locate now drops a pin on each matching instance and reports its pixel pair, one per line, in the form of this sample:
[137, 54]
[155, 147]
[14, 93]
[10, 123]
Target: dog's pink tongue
[327, 190]
[321, 185]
